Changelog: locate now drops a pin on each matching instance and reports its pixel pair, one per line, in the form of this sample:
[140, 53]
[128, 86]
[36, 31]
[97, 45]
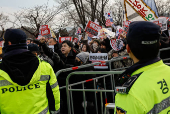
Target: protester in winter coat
[48, 54]
[82, 59]
[68, 53]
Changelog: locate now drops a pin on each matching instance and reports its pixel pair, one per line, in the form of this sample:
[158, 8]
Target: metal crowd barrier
[164, 49]
[111, 73]
[104, 90]
[75, 68]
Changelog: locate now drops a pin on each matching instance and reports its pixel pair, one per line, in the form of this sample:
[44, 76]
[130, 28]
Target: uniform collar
[139, 65]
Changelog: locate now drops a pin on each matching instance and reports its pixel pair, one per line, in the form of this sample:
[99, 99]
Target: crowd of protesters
[68, 54]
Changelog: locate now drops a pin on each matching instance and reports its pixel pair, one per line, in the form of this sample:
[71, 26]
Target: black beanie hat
[143, 33]
[33, 47]
[15, 36]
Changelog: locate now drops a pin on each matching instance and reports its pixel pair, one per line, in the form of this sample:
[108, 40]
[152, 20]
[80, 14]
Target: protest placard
[75, 40]
[45, 30]
[39, 37]
[162, 22]
[109, 22]
[93, 28]
[61, 39]
[126, 26]
[119, 31]
[107, 32]
[116, 44]
[99, 57]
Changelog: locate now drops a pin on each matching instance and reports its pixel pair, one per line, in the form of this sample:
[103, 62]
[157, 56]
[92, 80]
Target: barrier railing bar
[165, 59]
[167, 63]
[164, 49]
[75, 68]
[86, 81]
[71, 95]
[90, 72]
[84, 99]
[92, 90]
[119, 68]
[94, 83]
[101, 102]
[104, 82]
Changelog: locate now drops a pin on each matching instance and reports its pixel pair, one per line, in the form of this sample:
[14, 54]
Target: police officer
[146, 91]
[27, 84]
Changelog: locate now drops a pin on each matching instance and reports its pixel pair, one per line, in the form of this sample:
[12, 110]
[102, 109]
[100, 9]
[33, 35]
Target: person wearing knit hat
[33, 48]
[25, 79]
[82, 57]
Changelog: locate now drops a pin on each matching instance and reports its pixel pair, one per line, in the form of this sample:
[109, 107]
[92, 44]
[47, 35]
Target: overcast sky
[8, 7]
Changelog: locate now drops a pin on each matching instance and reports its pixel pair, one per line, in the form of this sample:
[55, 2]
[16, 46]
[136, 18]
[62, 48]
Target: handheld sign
[44, 30]
[99, 57]
[92, 28]
[116, 44]
[75, 40]
[61, 39]
[107, 32]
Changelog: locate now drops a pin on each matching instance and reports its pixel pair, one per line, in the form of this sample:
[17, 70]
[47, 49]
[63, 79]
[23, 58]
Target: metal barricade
[75, 68]
[69, 89]
[164, 49]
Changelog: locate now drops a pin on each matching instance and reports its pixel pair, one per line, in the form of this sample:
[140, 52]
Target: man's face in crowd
[28, 42]
[51, 42]
[65, 49]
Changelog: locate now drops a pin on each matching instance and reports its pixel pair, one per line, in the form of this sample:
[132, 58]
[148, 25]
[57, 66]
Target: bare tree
[3, 20]
[117, 12]
[81, 11]
[163, 7]
[30, 19]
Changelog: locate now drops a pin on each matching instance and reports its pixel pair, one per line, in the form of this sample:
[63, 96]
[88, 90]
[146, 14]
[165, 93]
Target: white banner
[137, 10]
[99, 57]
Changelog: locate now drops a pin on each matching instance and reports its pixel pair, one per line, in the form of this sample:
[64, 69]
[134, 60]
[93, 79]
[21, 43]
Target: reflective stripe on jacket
[150, 94]
[31, 98]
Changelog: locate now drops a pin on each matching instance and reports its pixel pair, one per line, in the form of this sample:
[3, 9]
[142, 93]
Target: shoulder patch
[125, 88]
[120, 111]
[131, 81]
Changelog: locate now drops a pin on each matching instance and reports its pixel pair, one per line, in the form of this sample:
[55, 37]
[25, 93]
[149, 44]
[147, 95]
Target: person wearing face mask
[94, 46]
